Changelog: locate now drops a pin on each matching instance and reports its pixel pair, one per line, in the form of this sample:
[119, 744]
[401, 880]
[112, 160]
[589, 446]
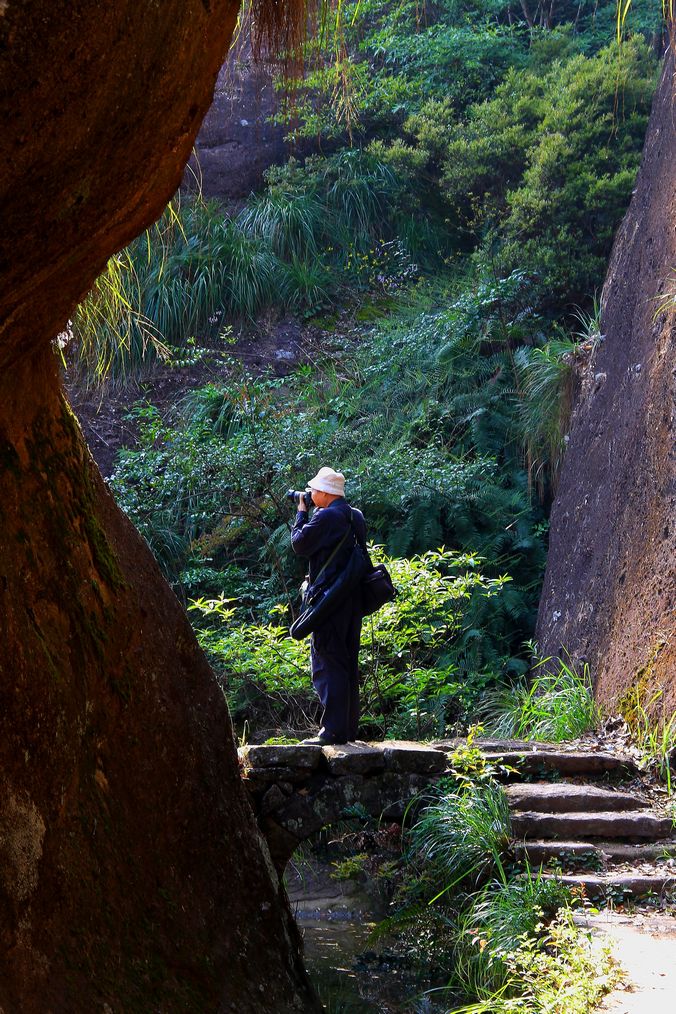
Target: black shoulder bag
[376, 586]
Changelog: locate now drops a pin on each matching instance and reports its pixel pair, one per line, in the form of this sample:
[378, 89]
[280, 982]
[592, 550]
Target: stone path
[644, 946]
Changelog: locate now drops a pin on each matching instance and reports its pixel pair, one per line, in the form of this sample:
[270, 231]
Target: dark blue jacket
[318, 537]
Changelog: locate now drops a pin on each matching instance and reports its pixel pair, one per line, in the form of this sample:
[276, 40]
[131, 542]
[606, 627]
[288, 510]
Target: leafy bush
[407, 660]
[378, 61]
[555, 970]
[428, 415]
[550, 162]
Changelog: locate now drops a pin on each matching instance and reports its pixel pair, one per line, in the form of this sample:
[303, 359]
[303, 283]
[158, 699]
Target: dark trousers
[335, 671]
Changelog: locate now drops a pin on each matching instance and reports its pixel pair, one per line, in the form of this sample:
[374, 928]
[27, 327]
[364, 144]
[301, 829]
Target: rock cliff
[610, 588]
[132, 874]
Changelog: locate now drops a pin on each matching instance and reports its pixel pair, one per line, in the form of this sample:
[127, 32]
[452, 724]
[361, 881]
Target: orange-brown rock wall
[610, 588]
[132, 875]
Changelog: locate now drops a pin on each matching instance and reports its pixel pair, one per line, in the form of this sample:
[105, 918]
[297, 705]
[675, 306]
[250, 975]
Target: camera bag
[376, 589]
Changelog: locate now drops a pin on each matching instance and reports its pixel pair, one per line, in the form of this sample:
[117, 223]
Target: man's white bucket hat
[329, 481]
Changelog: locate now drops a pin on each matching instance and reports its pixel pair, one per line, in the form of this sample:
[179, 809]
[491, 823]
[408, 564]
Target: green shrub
[495, 923]
[465, 836]
[428, 415]
[378, 61]
[409, 676]
[557, 970]
[549, 162]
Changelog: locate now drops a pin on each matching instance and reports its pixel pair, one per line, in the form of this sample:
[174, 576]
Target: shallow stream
[352, 973]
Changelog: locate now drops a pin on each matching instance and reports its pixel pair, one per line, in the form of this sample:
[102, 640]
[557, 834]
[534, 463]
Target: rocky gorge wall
[132, 873]
[237, 140]
[610, 589]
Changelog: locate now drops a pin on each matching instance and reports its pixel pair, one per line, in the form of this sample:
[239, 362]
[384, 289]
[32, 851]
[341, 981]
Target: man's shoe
[322, 740]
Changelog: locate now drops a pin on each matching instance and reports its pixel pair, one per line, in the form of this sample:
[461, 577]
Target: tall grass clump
[182, 278]
[362, 192]
[556, 970]
[110, 336]
[291, 248]
[293, 224]
[556, 703]
[545, 377]
[653, 730]
[465, 836]
[493, 924]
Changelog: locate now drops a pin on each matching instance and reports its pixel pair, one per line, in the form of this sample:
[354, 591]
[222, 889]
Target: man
[335, 643]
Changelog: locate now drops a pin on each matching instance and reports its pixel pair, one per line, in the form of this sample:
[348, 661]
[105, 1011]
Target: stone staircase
[579, 812]
[594, 826]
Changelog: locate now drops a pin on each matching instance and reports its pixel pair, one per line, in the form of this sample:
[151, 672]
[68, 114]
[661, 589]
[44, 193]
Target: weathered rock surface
[354, 758]
[573, 762]
[491, 746]
[412, 758]
[292, 756]
[567, 826]
[132, 874]
[237, 142]
[584, 852]
[610, 589]
[565, 797]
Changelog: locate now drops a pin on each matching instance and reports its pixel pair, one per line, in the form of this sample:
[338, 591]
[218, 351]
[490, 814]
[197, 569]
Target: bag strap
[360, 540]
[335, 551]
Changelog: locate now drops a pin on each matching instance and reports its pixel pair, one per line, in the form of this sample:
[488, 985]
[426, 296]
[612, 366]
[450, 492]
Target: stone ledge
[564, 797]
[354, 759]
[570, 826]
[293, 755]
[408, 757]
[565, 762]
[634, 884]
[258, 779]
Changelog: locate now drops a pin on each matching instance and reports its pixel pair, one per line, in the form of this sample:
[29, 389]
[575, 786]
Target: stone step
[620, 886]
[577, 762]
[530, 757]
[630, 825]
[566, 797]
[496, 745]
[587, 852]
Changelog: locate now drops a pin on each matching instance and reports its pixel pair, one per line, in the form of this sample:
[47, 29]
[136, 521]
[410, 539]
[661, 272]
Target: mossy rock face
[375, 309]
[608, 591]
[124, 825]
[643, 701]
[132, 876]
[328, 322]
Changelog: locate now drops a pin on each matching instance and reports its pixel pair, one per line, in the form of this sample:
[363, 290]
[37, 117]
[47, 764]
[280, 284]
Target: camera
[297, 496]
